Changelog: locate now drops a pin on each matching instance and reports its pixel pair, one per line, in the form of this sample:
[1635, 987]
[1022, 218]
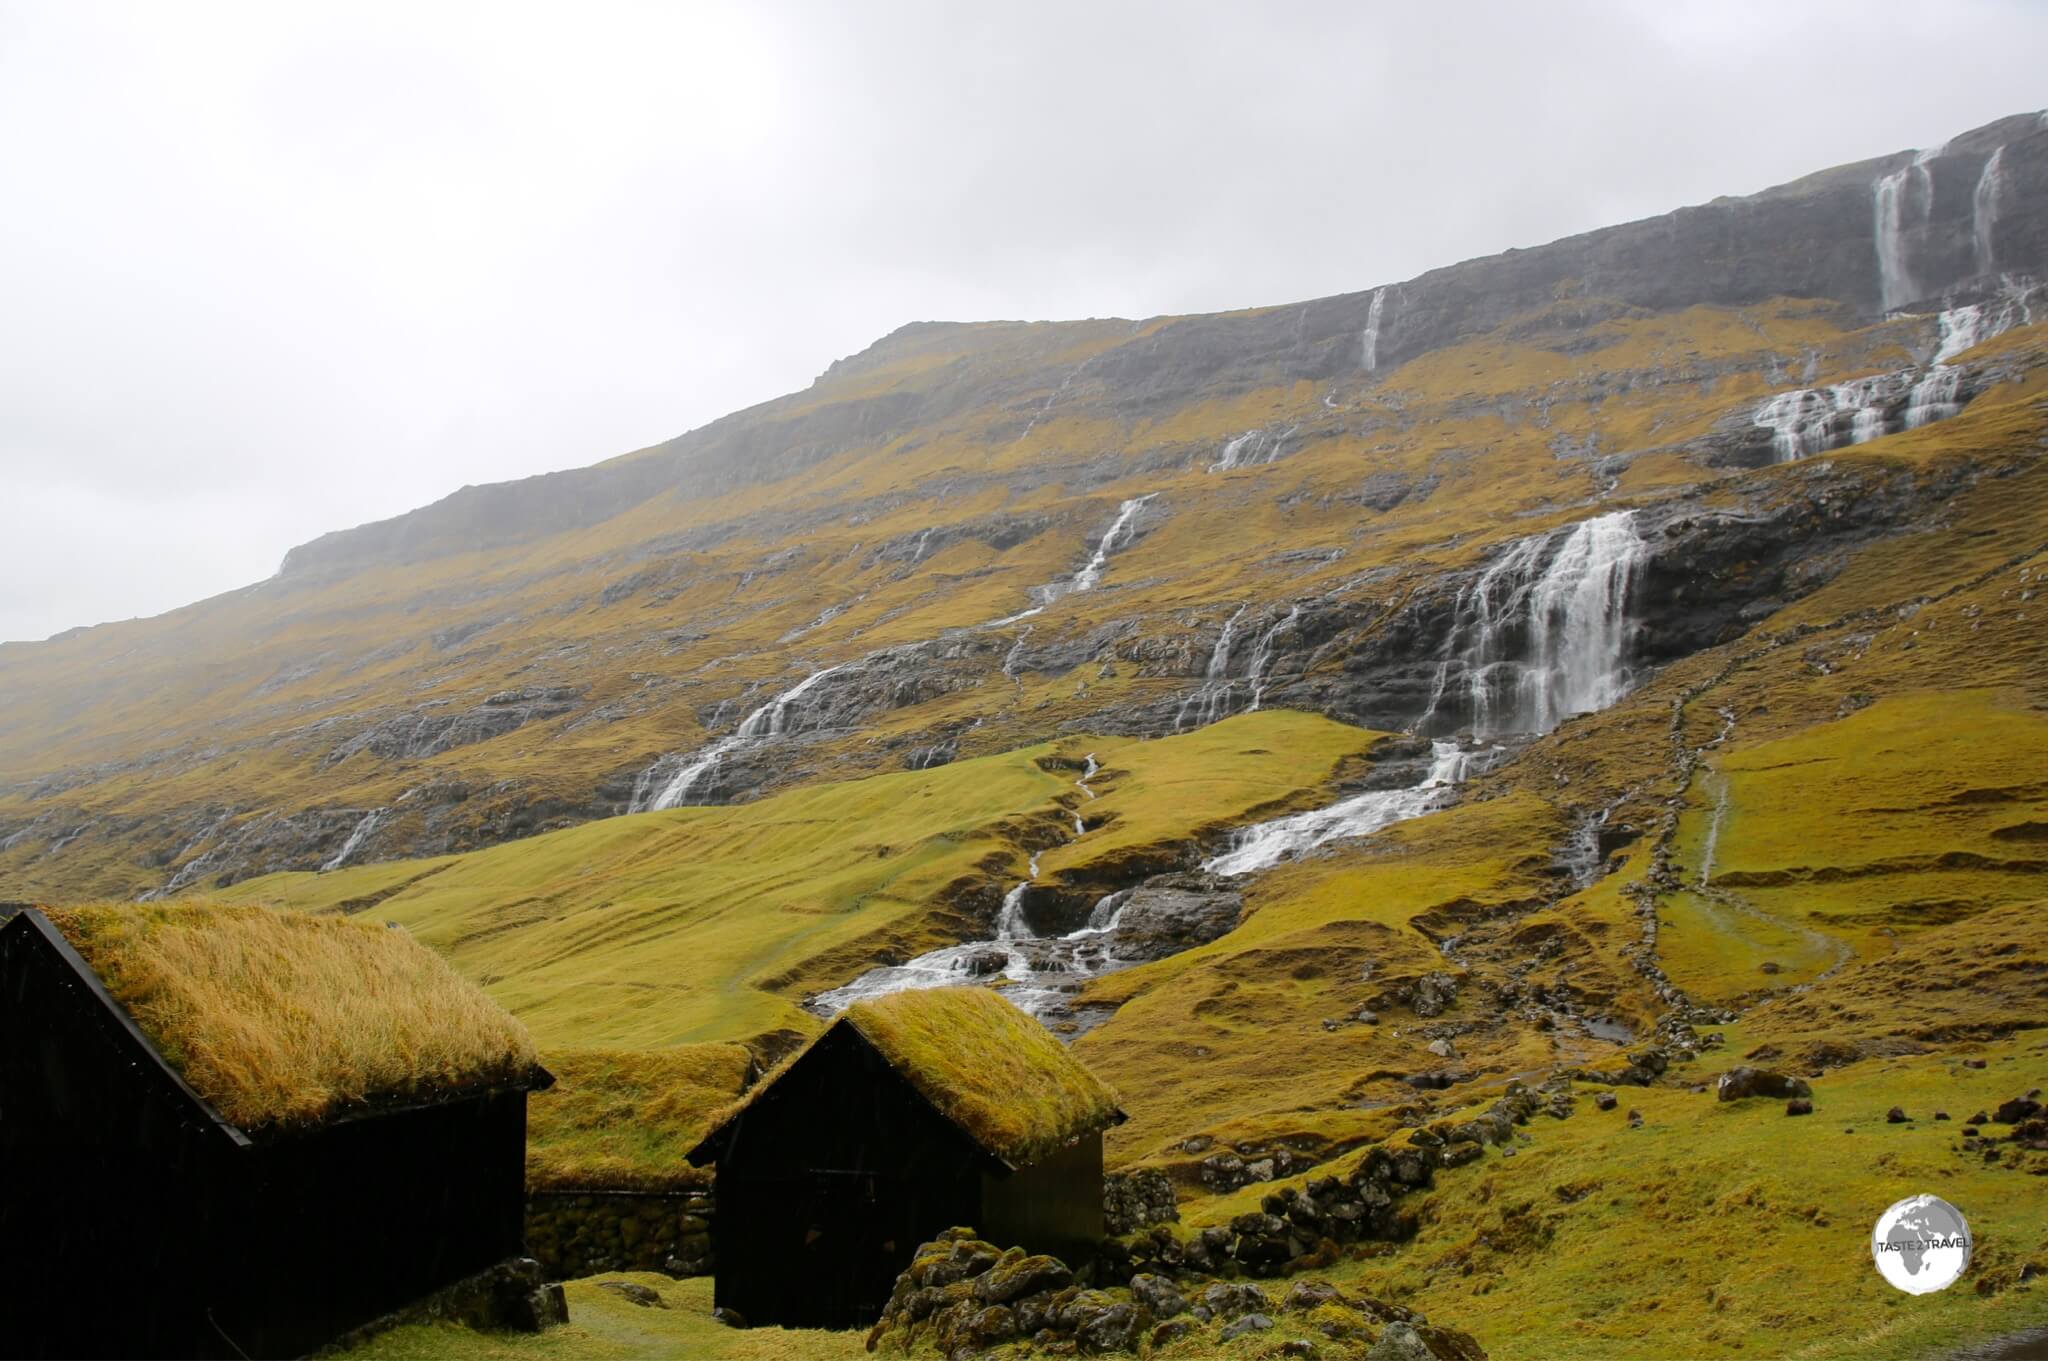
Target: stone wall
[583, 1233]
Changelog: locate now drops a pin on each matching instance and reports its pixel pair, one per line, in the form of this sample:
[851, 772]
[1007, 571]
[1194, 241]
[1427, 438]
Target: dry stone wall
[582, 1233]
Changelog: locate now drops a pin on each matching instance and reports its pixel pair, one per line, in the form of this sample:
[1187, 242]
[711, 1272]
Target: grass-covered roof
[625, 1119]
[986, 1066]
[279, 1019]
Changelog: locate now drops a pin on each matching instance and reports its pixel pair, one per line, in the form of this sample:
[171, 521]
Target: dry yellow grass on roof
[280, 1019]
[989, 1068]
[626, 1119]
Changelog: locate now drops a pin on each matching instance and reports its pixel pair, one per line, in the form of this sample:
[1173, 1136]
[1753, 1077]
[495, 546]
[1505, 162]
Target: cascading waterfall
[1262, 656]
[1252, 447]
[356, 837]
[1809, 421]
[1545, 632]
[1268, 843]
[1112, 539]
[1369, 341]
[771, 720]
[1204, 704]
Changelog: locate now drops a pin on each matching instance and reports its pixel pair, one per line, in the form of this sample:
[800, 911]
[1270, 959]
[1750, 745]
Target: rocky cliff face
[972, 537]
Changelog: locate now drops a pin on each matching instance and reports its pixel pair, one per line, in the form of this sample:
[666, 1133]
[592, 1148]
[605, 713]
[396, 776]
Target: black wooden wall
[830, 1179]
[134, 1224]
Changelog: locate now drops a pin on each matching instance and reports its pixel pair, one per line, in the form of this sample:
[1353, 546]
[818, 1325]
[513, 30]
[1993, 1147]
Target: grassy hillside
[712, 923]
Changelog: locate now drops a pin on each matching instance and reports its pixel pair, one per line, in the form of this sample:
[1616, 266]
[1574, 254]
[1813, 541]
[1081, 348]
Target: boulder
[1250, 1323]
[1738, 1083]
[1799, 1105]
[1169, 913]
[1158, 1296]
[1014, 1277]
[2018, 1109]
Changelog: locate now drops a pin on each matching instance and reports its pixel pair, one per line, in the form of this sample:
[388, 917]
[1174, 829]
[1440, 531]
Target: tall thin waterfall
[1984, 210]
[1369, 342]
[1897, 201]
[1545, 632]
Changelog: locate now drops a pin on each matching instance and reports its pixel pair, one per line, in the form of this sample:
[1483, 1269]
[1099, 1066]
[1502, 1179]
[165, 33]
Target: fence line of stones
[1299, 1228]
[583, 1233]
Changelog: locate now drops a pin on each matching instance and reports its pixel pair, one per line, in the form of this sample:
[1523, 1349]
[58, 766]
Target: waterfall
[1087, 774]
[1214, 695]
[1262, 656]
[1253, 446]
[1891, 206]
[1544, 633]
[1369, 342]
[771, 720]
[1231, 449]
[1984, 210]
[1112, 539]
[1268, 843]
[1810, 421]
[356, 838]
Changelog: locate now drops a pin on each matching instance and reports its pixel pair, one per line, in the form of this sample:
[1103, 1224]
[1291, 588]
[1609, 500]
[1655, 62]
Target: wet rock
[1173, 912]
[1739, 1083]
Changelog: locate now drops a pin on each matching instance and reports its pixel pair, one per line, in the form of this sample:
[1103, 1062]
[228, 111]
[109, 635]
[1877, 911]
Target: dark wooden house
[909, 1115]
[138, 1217]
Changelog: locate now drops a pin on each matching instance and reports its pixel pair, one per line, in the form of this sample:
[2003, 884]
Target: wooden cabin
[910, 1114]
[234, 1132]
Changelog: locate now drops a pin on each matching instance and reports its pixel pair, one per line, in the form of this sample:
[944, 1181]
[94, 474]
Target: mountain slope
[1700, 560]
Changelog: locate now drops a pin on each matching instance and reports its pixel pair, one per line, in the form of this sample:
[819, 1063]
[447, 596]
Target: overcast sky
[272, 269]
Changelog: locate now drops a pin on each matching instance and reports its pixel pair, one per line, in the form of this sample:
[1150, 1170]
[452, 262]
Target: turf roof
[282, 1020]
[983, 1064]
